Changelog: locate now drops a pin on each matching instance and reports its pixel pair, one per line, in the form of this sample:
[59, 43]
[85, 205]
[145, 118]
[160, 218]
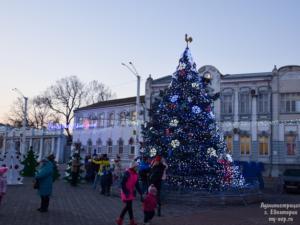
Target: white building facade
[108, 127]
[259, 114]
[44, 142]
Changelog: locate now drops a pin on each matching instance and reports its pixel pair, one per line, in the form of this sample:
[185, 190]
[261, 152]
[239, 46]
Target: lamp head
[207, 76]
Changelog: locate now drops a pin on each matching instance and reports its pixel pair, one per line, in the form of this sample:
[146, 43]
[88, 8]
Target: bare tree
[41, 114]
[97, 92]
[58, 103]
[16, 113]
[63, 97]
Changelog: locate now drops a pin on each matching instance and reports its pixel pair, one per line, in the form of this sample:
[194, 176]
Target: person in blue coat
[44, 177]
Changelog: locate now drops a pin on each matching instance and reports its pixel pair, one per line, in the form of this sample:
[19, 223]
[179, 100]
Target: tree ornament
[172, 106]
[181, 73]
[181, 66]
[208, 108]
[175, 143]
[153, 152]
[167, 132]
[196, 109]
[195, 85]
[212, 152]
[174, 98]
[174, 123]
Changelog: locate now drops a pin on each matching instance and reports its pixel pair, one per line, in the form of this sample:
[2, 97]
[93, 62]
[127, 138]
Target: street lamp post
[133, 70]
[23, 146]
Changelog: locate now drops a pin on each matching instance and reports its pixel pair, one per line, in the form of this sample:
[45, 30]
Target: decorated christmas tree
[11, 159]
[183, 129]
[30, 163]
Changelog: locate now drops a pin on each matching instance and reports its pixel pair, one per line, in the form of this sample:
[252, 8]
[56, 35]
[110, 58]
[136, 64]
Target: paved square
[84, 206]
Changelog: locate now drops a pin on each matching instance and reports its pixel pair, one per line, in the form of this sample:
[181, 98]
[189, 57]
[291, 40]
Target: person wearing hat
[149, 204]
[44, 177]
[75, 169]
[155, 178]
[3, 182]
[128, 185]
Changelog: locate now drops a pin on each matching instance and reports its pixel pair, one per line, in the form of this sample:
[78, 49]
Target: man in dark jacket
[156, 173]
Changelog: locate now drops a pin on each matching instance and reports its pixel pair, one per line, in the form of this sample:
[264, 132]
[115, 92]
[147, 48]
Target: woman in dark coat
[155, 178]
[44, 177]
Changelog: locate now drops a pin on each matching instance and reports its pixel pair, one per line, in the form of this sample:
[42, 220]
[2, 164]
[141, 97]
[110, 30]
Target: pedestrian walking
[96, 167]
[3, 182]
[117, 169]
[149, 204]
[128, 186]
[104, 166]
[155, 177]
[44, 178]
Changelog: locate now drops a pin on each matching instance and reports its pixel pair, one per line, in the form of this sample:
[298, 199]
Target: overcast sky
[44, 40]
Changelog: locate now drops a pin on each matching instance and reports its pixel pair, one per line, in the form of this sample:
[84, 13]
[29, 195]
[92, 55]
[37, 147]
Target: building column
[52, 145]
[254, 145]
[41, 148]
[58, 149]
[236, 143]
[30, 142]
[4, 143]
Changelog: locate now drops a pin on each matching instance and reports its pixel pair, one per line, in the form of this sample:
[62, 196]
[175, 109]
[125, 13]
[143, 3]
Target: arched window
[133, 118]
[245, 101]
[92, 120]
[99, 145]
[263, 100]
[245, 142]
[122, 119]
[132, 146]
[263, 141]
[290, 143]
[121, 146]
[111, 119]
[101, 120]
[109, 146]
[79, 121]
[227, 101]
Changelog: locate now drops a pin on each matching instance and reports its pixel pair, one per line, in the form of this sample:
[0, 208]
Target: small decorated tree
[30, 163]
[68, 172]
[11, 159]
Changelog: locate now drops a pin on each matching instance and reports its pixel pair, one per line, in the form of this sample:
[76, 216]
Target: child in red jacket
[149, 204]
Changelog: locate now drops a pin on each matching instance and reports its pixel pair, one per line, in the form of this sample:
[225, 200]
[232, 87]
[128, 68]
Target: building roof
[114, 102]
[168, 78]
[162, 80]
[247, 75]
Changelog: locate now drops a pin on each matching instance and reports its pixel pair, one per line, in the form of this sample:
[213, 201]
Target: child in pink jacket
[150, 204]
[3, 170]
[128, 186]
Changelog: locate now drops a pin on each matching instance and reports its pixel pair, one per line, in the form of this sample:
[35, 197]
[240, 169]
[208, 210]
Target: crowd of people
[144, 175]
